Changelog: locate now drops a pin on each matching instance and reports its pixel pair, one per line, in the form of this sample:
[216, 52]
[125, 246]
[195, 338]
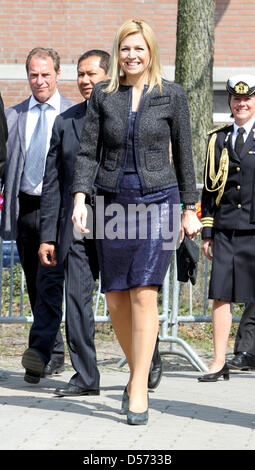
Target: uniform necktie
[35, 156]
[239, 140]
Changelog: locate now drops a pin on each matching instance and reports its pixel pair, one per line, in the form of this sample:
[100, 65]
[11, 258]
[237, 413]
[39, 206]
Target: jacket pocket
[159, 100]
[154, 159]
[110, 160]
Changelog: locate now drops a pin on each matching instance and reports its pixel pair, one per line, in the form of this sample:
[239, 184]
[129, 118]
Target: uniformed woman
[228, 227]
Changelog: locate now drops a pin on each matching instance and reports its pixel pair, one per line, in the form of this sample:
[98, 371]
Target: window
[221, 110]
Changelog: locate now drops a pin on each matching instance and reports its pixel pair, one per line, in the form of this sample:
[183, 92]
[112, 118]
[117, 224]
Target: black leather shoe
[34, 365]
[53, 368]
[155, 373]
[213, 377]
[74, 391]
[242, 361]
[251, 360]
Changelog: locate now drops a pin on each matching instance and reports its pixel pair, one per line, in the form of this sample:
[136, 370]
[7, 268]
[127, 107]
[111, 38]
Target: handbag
[187, 261]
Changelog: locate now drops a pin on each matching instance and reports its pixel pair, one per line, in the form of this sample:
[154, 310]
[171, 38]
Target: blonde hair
[133, 26]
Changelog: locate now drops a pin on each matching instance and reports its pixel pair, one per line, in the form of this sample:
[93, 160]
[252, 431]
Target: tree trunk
[194, 70]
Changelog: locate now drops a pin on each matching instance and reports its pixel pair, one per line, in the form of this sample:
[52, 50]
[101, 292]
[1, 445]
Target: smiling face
[134, 57]
[89, 73]
[243, 108]
[42, 77]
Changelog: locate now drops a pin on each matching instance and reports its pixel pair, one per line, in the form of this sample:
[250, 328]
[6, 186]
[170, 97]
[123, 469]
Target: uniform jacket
[236, 205]
[16, 152]
[56, 201]
[161, 117]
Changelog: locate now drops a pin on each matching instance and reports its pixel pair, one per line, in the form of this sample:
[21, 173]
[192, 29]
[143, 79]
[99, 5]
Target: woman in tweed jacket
[124, 154]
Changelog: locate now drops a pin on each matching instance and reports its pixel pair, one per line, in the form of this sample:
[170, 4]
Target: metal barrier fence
[169, 317]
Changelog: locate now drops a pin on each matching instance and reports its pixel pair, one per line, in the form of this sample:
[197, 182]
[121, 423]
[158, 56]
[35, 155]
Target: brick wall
[74, 26]
[71, 27]
[234, 35]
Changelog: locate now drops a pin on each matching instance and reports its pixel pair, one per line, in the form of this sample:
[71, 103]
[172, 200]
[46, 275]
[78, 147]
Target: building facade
[72, 27]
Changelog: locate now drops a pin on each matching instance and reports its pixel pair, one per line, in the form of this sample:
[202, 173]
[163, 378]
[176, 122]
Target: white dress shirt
[32, 118]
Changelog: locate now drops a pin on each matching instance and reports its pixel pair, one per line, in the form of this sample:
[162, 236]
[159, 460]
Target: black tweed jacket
[161, 118]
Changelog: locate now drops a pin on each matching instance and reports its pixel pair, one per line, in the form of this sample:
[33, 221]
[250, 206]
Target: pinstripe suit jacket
[57, 201]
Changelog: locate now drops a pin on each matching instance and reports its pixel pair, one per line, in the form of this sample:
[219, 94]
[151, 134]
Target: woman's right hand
[80, 212]
[207, 246]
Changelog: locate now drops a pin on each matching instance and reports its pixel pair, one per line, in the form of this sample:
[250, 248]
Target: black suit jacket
[236, 205]
[56, 201]
[3, 137]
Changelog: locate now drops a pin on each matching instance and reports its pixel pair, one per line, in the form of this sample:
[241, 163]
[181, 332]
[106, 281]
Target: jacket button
[239, 206]
[238, 187]
[238, 168]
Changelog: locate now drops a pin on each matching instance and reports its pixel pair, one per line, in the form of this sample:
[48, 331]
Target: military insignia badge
[241, 85]
[241, 88]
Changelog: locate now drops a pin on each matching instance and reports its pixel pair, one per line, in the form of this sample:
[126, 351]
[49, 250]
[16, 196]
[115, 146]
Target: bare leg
[222, 320]
[119, 306]
[134, 316]
[144, 333]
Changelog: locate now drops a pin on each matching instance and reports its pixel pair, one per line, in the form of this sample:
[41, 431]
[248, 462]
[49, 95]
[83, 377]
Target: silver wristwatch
[190, 207]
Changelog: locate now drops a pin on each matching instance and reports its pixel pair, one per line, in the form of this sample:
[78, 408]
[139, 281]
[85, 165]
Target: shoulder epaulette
[218, 128]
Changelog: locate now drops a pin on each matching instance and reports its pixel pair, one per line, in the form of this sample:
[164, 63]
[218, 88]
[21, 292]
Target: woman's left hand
[190, 224]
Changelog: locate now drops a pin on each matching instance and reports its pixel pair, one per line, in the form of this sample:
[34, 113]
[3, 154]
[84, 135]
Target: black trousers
[245, 337]
[44, 284]
[80, 273]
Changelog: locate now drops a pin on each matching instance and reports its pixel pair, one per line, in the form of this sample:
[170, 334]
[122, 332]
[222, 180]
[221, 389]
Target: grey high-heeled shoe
[125, 402]
[137, 418]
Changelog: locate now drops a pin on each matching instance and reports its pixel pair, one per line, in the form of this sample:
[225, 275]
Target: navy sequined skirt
[135, 235]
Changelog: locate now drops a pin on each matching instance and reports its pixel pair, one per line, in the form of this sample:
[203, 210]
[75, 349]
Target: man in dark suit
[78, 256]
[3, 139]
[27, 122]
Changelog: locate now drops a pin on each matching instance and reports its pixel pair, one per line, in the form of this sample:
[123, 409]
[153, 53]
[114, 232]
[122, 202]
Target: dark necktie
[239, 140]
[35, 156]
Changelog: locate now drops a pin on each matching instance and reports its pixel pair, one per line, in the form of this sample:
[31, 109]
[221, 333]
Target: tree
[194, 70]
